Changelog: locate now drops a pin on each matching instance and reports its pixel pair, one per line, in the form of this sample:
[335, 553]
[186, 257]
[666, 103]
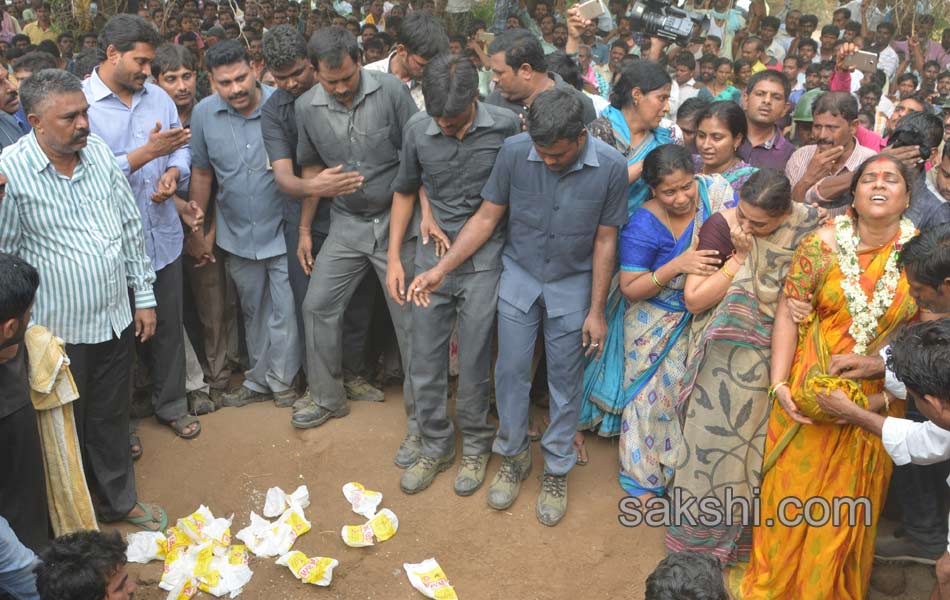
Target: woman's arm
[703, 293]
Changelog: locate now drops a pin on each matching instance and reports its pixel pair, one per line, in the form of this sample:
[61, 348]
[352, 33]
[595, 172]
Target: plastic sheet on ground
[382, 527]
[317, 570]
[267, 539]
[277, 501]
[145, 546]
[363, 501]
[429, 578]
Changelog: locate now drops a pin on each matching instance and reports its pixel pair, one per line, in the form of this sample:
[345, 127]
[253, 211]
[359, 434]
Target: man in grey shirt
[10, 127]
[249, 221]
[354, 118]
[567, 193]
[450, 151]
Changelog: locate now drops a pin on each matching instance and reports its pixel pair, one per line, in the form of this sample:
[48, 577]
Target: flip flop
[182, 423]
[135, 441]
[143, 521]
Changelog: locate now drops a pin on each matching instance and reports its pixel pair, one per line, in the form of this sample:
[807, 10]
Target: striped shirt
[798, 163]
[84, 236]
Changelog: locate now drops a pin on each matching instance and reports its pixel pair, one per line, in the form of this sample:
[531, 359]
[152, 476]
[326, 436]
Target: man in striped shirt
[69, 211]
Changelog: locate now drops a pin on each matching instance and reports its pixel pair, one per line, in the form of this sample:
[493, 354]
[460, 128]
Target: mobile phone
[865, 62]
[591, 9]
[485, 36]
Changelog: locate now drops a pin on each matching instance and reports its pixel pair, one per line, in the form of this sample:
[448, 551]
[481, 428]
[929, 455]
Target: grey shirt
[590, 114]
[249, 208]
[453, 172]
[9, 129]
[364, 137]
[553, 219]
[927, 209]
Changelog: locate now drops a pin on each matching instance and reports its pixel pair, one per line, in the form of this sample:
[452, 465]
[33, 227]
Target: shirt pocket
[103, 223]
[437, 177]
[579, 217]
[378, 147]
[477, 170]
[527, 208]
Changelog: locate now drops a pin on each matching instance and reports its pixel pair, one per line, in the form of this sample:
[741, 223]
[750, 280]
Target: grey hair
[283, 46]
[35, 89]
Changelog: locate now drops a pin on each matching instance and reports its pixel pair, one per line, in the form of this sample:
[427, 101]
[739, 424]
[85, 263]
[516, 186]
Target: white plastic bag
[146, 546]
[277, 501]
[382, 527]
[429, 578]
[267, 539]
[317, 570]
[363, 501]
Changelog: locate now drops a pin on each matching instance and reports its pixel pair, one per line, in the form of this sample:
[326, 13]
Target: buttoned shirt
[553, 219]
[415, 88]
[125, 129]
[771, 154]
[927, 209]
[10, 130]
[798, 164]
[365, 137]
[249, 209]
[279, 128]
[453, 172]
[82, 233]
[518, 108]
[37, 34]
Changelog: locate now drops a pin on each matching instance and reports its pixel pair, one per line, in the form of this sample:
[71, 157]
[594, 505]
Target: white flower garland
[864, 315]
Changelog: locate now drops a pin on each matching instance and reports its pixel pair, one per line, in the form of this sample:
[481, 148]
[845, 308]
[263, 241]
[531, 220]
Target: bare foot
[582, 458]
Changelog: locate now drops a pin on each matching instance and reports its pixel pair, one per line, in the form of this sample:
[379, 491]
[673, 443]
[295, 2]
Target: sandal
[148, 518]
[182, 423]
[200, 403]
[135, 442]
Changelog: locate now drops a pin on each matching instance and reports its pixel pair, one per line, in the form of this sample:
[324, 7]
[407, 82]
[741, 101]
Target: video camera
[663, 20]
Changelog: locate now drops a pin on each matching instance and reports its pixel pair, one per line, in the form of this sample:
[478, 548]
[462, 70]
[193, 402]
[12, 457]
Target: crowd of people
[716, 250]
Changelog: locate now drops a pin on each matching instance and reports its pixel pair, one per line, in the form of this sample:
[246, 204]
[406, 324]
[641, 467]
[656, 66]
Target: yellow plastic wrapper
[806, 397]
[184, 590]
[429, 578]
[237, 554]
[265, 539]
[317, 570]
[363, 501]
[381, 527]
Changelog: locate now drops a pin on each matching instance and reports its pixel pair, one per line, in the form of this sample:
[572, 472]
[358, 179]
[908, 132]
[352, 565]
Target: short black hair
[837, 104]
[808, 20]
[449, 85]
[331, 45]
[556, 114]
[18, 283]
[171, 57]
[926, 257]
[770, 75]
[908, 77]
[769, 190]
[809, 43]
[714, 39]
[799, 61]
[77, 566]
[35, 62]
[691, 108]
[918, 356]
[224, 53]
[771, 22]
[711, 59]
[283, 46]
[19, 38]
[830, 30]
[759, 44]
[644, 74]
[423, 35]
[869, 89]
[686, 575]
[852, 26]
[664, 160]
[886, 25]
[125, 31]
[927, 127]
[685, 59]
[66, 35]
[49, 47]
[842, 11]
[520, 48]
[88, 59]
[565, 66]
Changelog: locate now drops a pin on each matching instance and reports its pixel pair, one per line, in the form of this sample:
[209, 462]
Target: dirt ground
[485, 553]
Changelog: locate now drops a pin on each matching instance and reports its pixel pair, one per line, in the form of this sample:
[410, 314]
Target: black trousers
[23, 480]
[103, 376]
[164, 353]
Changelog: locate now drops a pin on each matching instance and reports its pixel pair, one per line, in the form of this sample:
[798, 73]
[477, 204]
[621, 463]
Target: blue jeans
[16, 566]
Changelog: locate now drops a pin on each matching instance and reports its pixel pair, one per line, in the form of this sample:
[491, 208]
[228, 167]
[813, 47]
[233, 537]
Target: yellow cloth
[52, 391]
[38, 34]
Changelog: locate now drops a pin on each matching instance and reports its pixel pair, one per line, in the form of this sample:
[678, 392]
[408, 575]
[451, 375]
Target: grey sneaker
[552, 501]
[242, 397]
[505, 486]
[421, 474]
[286, 398]
[471, 473]
[409, 451]
[314, 415]
[359, 389]
[903, 549]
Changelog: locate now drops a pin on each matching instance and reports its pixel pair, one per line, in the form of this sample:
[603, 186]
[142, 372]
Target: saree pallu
[823, 460]
[724, 396]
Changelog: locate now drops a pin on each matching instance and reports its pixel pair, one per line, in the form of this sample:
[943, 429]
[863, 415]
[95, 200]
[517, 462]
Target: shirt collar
[776, 141]
[857, 157]
[368, 84]
[39, 161]
[588, 156]
[100, 90]
[482, 119]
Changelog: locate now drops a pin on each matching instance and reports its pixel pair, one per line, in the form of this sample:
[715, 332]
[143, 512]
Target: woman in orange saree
[847, 271]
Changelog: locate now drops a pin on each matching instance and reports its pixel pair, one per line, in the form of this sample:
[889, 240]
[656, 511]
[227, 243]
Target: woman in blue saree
[657, 251]
[631, 124]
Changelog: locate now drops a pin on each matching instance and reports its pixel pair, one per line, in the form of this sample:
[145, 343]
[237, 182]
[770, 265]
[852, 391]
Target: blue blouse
[646, 244]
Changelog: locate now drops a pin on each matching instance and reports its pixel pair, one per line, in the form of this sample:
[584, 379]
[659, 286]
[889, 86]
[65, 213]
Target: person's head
[65, 42]
[18, 283]
[42, 13]
[541, 9]
[85, 63]
[368, 31]
[85, 565]
[618, 50]
[943, 83]
[20, 41]
[768, 28]
[812, 77]
[765, 200]
[835, 117]
[644, 90]
[566, 67]
[910, 104]
[840, 18]
[373, 50]
[9, 97]
[753, 50]
[457, 44]
[851, 30]
[925, 260]
[285, 55]
[792, 66]
[792, 18]
[33, 62]
[89, 40]
[682, 575]
[56, 107]
[741, 72]
[712, 45]
[584, 57]
[668, 171]
[868, 97]
[942, 172]
[230, 70]
[766, 97]
[829, 36]
[49, 47]
[923, 129]
[925, 26]
[686, 119]
[517, 64]
[555, 123]
[127, 46]
[450, 88]
[918, 355]
[720, 130]
[513, 22]
[421, 38]
[808, 49]
[906, 84]
[559, 36]
[881, 188]
[546, 24]
[930, 72]
[883, 34]
[175, 70]
[684, 65]
[397, 11]
[807, 25]
[825, 73]
[335, 55]
[707, 68]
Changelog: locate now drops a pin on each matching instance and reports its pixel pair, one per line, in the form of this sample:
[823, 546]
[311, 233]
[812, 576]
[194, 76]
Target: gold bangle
[773, 389]
[887, 401]
[726, 271]
[656, 281]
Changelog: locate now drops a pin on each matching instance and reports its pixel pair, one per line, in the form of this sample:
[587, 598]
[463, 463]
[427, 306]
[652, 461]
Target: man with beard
[70, 212]
[618, 51]
[249, 210]
[421, 38]
[139, 122]
[766, 102]
[285, 53]
[559, 36]
[806, 28]
[887, 59]
[712, 45]
[11, 128]
[707, 68]
[820, 173]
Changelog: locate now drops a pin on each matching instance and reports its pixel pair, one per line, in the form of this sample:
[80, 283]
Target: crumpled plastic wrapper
[268, 539]
[317, 570]
[429, 578]
[363, 501]
[184, 590]
[382, 527]
[277, 501]
[145, 546]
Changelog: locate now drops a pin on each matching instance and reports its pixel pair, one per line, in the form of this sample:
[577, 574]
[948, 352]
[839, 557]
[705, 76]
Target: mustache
[238, 96]
[11, 95]
[80, 134]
